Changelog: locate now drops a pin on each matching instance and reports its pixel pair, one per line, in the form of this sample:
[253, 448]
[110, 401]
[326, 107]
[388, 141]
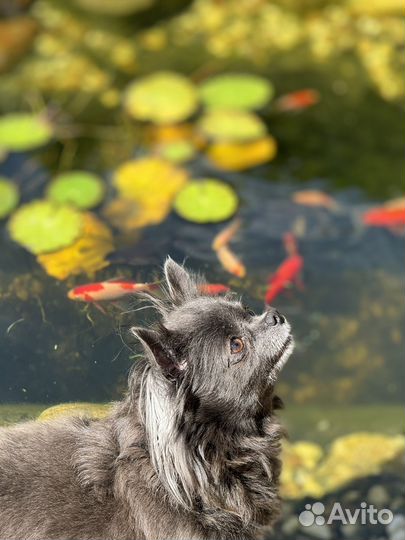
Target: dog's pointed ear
[158, 354]
[180, 283]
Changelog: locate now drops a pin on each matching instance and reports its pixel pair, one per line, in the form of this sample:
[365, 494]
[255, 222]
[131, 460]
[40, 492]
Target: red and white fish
[384, 216]
[314, 197]
[108, 290]
[296, 101]
[212, 289]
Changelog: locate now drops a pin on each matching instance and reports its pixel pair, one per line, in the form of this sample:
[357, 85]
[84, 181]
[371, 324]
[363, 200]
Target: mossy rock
[206, 200]
[20, 132]
[92, 410]
[79, 188]
[9, 197]
[44, 226]
[236, 91]
[163, 98]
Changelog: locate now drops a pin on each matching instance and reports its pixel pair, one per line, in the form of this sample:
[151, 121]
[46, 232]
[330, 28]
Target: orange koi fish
[225, 236]
[296, 101]
[107, 290]
[313, 197]
[212, 289]
[384, 217]
[230, 262]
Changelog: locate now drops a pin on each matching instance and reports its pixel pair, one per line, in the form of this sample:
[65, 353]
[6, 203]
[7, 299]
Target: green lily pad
[236, 91]
[177, 151]
[9, 197]
[164, 97]
[206, 201]
[232, 125]
[79, 188]
[23, 131]
[44, 226]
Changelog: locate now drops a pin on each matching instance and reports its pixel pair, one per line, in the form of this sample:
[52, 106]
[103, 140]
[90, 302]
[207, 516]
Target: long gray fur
[192, 451]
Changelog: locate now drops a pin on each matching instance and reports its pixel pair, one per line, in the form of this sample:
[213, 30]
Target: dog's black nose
[274, 317]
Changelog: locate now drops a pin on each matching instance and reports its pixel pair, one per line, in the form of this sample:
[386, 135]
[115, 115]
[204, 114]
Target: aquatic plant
[233, 156]
[114, 7]
[177, 151]
[79, 188]
[9, 197]
[163, 98]
[206, 200]
[236, 91]
[86, 255]
[91, 410]
[43, 226]
[23, 131]
[231, 125]
[309, 472]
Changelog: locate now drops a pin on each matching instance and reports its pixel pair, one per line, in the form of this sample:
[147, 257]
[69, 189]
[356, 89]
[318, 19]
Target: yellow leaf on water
[147, 188]
[240, 156]
[128, 215]
[86, 255]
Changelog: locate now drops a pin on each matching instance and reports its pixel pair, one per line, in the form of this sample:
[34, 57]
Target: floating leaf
[114, 7]
[9, 197]
[128, 215]
[231, 125]
[43, 226]
[91, 410]
[239, 156]
[177, 151]
[206, 201]
[163, 98]
[86, 255]
[79, 188]
[167, 133]
[236, 91]
[22, 131]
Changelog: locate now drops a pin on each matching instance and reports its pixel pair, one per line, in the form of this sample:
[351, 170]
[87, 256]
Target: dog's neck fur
[217, 471]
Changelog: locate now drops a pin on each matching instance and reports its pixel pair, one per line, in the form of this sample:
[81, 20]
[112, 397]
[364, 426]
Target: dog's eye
[236, 345]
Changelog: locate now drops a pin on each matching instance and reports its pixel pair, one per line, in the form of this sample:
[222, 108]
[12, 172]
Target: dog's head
[225, 355]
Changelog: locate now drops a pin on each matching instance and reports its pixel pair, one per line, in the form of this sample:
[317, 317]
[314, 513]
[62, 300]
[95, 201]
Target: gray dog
[192, 452]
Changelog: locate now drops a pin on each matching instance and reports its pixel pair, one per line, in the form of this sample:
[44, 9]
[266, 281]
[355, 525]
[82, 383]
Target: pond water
[348, 316]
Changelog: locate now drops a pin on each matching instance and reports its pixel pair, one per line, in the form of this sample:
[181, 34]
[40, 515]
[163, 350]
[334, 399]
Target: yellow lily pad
[91, 410]
[240, 156]
[206, 200]
[150, 184]
[163, 98]
[232, 125]
[86, 255]
[236, 91]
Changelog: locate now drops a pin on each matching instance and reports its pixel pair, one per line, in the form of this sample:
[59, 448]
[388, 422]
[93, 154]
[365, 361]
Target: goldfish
[212, 289]
[384, 217]
[225, 236]
[313, 197]
[285, 275]
[296, 101]
[230, 262]
[107, 290]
